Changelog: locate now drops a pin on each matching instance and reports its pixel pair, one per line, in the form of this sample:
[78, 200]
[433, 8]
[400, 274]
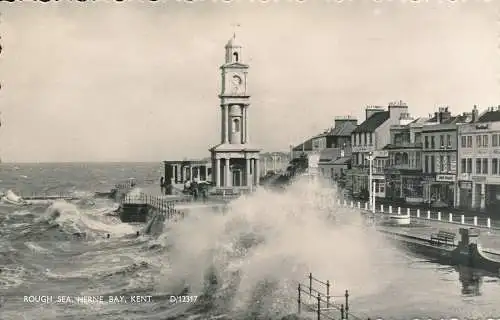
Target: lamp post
[370, 182]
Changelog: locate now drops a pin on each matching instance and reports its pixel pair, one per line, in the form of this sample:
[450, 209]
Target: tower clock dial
[236, 82]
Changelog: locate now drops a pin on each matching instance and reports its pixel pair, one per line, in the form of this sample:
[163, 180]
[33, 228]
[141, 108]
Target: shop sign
[466, 185]
[482, 126]
[381, 154]
[378, 177]
[445, 177]
[478, 179]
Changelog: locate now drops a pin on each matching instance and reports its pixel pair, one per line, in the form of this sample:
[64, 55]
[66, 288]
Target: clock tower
[235, 161]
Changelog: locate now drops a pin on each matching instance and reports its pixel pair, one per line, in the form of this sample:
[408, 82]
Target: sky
[139, 81]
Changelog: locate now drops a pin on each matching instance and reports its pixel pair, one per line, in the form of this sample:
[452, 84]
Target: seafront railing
[315, 297]
[425, 215]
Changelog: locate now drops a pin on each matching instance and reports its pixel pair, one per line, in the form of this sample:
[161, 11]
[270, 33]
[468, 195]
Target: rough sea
[241, 264]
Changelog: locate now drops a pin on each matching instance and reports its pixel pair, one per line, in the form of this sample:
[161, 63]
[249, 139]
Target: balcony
[363, 148]
[403, 145]
[405, 166]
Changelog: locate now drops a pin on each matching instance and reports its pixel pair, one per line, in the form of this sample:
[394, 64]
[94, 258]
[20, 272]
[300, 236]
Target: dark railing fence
[315, 296]
[166, 207]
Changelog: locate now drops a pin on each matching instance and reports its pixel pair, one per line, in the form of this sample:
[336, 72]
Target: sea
[57, 261]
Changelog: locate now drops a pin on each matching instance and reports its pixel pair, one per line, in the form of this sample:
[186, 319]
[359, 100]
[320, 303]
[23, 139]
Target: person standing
[162, 184]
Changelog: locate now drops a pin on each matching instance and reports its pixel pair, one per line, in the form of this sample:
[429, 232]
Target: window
[478, 141]
[235, 54]
[441, 163]
[463, 143]
[485, 166]
[494, 140]
[236, 128]
[353, 140]
[433, 145]
[433, 164]
[448, 163]
[441, 140]
[463, 165]
[478, 166]
[448, 140]
[366, 138]
[494, 166]
[370, 137]
[426, 139]
[469, 141]
[485, 140]
[426, 164]
[469, 165]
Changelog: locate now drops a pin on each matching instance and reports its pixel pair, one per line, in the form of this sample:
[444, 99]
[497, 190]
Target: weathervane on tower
[235, 26]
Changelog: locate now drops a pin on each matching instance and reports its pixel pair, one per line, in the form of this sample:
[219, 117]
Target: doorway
[236, 178]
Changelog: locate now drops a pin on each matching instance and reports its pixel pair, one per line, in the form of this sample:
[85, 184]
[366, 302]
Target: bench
[443, 237]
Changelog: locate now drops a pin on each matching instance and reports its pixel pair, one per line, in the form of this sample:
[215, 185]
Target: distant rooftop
[490, 115]
[373, 122]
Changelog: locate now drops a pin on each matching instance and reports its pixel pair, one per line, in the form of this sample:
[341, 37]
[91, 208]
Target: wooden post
[382, 208]
[462, 219]
[418, 213]
[319, 306]
[298, 300]
[342, 312]
[450, 217]
[475, 220]
[399, 211]
[347, 304]
[429, 214]
[328, 293]
[390, 209]
[439, 215]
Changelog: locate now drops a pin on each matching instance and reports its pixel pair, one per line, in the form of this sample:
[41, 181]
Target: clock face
[236, 80]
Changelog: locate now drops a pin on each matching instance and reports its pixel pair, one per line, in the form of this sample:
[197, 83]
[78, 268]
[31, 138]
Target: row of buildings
[443, 160]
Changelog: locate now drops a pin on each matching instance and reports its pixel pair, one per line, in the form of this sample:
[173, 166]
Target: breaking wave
[246, 263]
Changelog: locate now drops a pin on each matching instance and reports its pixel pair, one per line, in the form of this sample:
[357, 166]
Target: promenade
[423, 224]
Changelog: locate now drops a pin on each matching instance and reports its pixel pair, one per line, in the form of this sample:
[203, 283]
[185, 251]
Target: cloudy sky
[101, 81]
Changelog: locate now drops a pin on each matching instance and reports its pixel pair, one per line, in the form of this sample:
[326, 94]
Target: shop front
[412, 186]
[393, 185]
[439, 190]
[465, 194]
[380, 183]
[493, 199]
[357, 183]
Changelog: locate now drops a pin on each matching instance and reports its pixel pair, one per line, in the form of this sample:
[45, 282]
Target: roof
[307, 145]
[420, 120]
[343, 129]
[490, 116]
[232, 42]
[372, 123]
[329, 154]
[341, 161]
[454, 119]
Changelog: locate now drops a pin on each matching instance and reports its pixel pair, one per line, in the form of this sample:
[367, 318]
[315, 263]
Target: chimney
[475, 114]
